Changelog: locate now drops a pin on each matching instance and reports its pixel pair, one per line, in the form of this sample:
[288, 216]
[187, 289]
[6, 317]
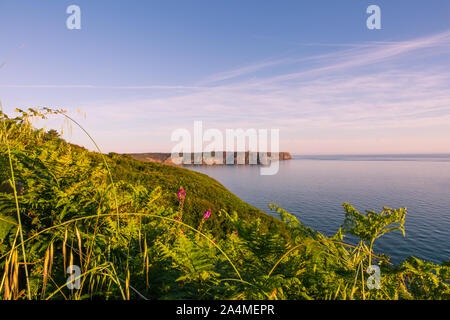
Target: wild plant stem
[104, 161]
[19, 221]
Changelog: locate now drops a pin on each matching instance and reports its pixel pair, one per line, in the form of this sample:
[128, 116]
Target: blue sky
[141, 69]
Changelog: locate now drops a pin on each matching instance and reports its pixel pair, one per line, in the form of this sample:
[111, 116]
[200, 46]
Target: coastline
[234, 158]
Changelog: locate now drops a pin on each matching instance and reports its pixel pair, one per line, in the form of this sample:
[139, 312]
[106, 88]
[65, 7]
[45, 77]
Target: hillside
[203, 192]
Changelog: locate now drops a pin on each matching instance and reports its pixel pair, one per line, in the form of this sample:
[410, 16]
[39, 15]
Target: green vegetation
[204, 193]
[144, 231]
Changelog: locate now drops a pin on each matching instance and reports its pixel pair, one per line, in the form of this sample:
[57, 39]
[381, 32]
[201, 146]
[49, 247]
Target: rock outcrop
[237, 158]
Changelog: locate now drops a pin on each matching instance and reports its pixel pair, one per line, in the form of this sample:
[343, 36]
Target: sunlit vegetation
[149, 231]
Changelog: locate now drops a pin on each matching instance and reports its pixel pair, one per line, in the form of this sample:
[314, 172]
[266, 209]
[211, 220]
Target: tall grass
[19, 226]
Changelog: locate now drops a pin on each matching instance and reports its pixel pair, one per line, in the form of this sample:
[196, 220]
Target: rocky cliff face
[285, 156]
[241, 158]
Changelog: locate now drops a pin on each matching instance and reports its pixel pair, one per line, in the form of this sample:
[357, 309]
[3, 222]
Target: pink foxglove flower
[181, 194]
[207, 214]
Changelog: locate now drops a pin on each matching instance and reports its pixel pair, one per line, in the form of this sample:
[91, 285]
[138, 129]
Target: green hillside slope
[203, 193]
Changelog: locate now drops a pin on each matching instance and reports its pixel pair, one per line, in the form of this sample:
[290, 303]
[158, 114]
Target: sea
[313, 188]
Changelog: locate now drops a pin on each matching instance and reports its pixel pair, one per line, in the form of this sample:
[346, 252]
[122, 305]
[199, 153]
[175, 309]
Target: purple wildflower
[181, 194]
[207, 214]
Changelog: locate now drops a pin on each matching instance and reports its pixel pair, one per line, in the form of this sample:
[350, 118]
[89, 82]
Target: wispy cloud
[367, 90]
[91, 86]
[366, 54]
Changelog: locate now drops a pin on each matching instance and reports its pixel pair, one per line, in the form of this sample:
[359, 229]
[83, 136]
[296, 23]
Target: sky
[139, 70]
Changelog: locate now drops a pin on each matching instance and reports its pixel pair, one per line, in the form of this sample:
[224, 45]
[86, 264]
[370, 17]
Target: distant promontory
[242, 158]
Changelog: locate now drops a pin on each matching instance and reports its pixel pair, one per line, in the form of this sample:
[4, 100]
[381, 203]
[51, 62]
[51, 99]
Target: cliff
[242, 158]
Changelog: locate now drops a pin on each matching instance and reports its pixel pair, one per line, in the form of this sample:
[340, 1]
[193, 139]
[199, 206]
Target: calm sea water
[313, 188]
